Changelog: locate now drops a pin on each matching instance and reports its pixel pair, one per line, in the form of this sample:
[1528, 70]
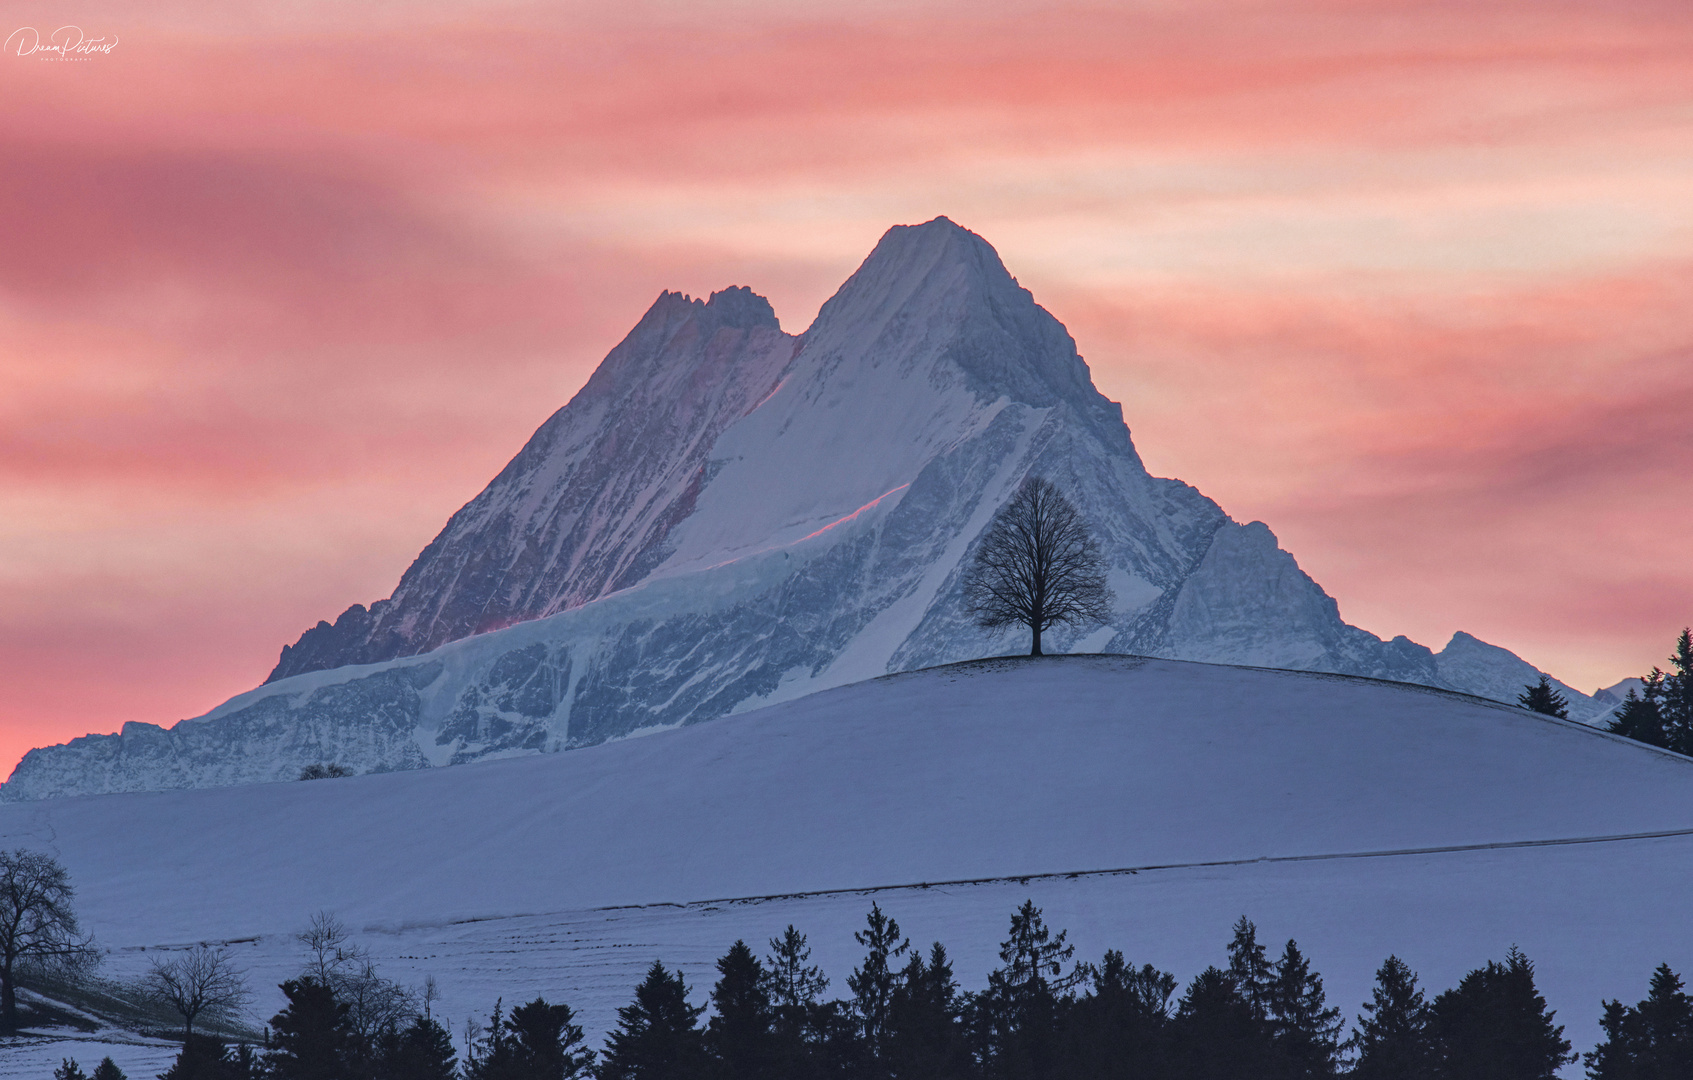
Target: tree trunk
[1034, 649]
[8, 1002]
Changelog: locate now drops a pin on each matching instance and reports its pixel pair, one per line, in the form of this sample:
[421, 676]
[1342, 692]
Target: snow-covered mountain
[728, 516]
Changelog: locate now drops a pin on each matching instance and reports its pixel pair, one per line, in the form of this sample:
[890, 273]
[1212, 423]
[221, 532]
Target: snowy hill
[727, 516]
[1145, 803]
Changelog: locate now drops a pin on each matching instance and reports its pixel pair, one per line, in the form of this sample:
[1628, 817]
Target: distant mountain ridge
[727, 515]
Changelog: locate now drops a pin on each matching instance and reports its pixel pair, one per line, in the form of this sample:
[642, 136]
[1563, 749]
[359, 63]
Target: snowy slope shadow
[992, 769]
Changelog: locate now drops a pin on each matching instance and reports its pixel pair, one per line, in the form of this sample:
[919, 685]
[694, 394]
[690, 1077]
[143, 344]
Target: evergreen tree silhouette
[420, 1051]
[658, 1035]
[546, 1043]
[872, 983]
[491, 1056]
[1650, 1041]
[108, 1069]
[925, 1037]
[243, 1064]
[1392, 1038]
[1306, 1031]
[1218, 1036]
[1018, 1013]
[312, 1037]
[740, 1035]
[1677, 692]
[794, 983]
[1641, 717]
[202, 1057]
[1121, 1029]
[1660, 713]
[800, 1022]
[1542, 697]
[1249, 968]
[1494, 1025]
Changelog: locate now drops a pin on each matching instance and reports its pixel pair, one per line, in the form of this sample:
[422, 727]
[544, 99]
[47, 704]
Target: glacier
[728, 516]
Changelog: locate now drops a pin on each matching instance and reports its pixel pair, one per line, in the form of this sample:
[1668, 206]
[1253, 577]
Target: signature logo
[65, 43]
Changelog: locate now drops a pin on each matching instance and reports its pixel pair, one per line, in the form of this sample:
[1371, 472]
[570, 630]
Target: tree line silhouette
[1042, 1016]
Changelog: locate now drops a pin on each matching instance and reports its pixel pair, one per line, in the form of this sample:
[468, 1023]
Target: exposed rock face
[727, 516]
[586, 507]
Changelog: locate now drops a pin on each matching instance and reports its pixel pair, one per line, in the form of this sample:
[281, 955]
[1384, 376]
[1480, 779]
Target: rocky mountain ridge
[727, 516]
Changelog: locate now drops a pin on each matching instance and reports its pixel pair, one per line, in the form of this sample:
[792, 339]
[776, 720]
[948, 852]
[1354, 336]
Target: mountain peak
[940, 291]
[936, 246]
[737, 307]
[740, 307]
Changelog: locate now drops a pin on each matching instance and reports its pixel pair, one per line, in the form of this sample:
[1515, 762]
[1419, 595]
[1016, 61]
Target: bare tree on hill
[1037, 565]
[38, 929]
[202, 982]
[374, 1003]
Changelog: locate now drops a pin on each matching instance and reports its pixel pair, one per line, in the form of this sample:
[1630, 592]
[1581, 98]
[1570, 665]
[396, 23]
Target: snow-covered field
[567, 874]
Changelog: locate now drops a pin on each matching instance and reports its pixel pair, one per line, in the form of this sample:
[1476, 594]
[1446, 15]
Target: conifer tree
[1542, 697]
[1017, 1015]
[243, 1064]
[658, 1035]
[108, 1069]
[872, 982]
[1494, 1025]
[1677, 691]
[794, 983]
[1249, 968]
[1660, 713]
[740, 1035]
[1641, 717]
[1218, 1036]
[69, 1070]
[1650, 1041]
[202, 1057]
[798, 1020]
[490, 1056]
[312, 1037]
[925, 1035]
[1306, 1031]
[545, 1043]
[420, 1051]
[1122, 1028]
[1392, 1039]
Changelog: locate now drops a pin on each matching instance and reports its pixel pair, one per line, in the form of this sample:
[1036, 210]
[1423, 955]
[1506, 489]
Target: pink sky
[1410, 282]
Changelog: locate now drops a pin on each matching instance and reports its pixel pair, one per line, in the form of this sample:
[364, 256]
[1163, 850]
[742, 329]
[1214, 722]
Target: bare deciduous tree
[327, 940]
[202, 982]
[1037, 565]
[374, 1003]
[37, 926]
